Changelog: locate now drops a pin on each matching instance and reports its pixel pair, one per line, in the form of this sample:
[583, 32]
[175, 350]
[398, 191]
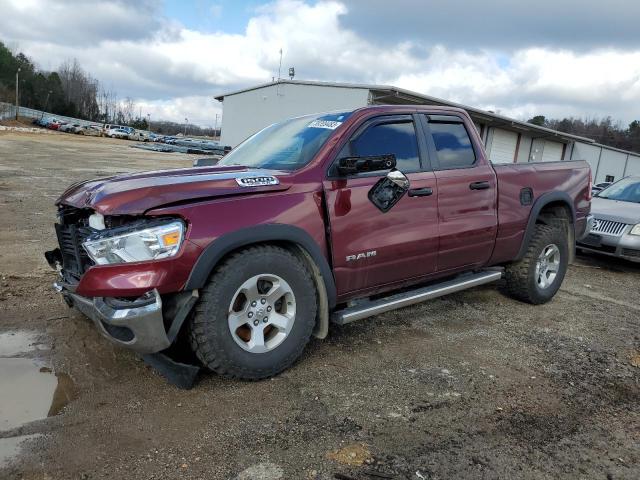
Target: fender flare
[541, 202]
[224, 244]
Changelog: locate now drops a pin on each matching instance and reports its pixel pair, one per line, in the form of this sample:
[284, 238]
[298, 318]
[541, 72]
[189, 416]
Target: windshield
[625, 190]
[287, 145]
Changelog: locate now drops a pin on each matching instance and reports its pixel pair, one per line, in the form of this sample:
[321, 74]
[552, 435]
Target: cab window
[397, 138]
[453, 145]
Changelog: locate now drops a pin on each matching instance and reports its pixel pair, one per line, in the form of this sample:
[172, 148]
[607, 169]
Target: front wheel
[537, 277]
[256, 314]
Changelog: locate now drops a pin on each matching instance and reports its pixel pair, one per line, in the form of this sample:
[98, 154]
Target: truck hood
[133, 194]
[615, 210]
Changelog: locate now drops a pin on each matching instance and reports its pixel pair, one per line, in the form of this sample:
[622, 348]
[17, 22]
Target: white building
[507, 140]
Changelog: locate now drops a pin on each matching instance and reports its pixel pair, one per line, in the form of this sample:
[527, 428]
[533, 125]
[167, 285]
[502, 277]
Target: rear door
[467, 192]
[372, 248]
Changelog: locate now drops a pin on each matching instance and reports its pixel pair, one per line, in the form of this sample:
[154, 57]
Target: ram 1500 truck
[323, 218]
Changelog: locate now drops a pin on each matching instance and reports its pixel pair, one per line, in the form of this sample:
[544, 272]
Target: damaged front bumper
[134, 324]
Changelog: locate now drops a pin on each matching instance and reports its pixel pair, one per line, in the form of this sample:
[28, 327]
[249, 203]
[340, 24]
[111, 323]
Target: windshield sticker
[329, 124]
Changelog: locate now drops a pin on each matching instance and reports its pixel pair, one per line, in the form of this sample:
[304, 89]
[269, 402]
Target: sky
[557, 58]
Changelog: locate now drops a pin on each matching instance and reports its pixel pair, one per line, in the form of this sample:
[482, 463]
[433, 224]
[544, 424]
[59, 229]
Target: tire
[535, 283]
[242, 351]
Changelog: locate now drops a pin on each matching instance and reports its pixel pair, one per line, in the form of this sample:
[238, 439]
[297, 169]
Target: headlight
[635, 230]
[151, 243]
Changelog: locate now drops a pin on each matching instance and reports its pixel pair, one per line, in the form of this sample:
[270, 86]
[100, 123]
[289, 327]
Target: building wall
[633, 165]
[612, 164]
[605, 161]
[248, 112]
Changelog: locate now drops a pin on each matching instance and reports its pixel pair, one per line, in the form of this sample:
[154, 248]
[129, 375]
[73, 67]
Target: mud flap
[182, 375]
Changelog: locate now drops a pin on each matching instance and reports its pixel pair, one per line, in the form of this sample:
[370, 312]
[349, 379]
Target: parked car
[118, 133]
[70, 128]
[616, 228]
[107, 126]
[139, 135]
[55, 124]
[336, 216]
[91, 130]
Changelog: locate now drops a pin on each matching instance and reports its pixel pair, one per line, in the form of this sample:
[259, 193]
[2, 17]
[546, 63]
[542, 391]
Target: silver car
[616, 227]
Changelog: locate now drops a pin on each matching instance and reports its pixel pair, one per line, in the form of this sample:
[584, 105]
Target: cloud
[535, 81]
[199, 110]
[174, 71]
[505, 25]
[84, 23]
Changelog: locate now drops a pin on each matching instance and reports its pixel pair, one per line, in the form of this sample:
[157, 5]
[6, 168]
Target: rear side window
[453, 145]
[398, 138]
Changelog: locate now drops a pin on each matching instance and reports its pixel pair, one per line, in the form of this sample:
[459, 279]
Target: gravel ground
[474, 385]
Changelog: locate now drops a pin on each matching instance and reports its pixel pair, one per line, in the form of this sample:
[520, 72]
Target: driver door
[372, 248]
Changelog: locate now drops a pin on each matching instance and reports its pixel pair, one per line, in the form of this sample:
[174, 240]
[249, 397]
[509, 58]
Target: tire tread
[201, 339]
[517, 278]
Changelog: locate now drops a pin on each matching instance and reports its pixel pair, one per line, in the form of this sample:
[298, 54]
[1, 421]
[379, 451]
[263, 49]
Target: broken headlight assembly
[140, 242]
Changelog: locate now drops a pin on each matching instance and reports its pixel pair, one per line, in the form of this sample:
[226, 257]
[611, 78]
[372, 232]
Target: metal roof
[389, 94]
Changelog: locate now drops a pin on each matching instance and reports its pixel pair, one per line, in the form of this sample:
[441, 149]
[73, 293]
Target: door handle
[479, 185]
[420, 192]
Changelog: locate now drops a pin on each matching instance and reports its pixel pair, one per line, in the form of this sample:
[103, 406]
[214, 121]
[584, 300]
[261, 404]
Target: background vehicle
[55, 124]
[107, 126]
[335, 216]
[118, 133]
[616, 228]
[91, 130]
[139, 135]
[70, 128]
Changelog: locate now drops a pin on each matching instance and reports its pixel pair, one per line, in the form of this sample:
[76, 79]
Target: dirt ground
[474, 385]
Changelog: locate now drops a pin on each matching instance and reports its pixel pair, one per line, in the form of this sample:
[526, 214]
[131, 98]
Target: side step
[399, 300]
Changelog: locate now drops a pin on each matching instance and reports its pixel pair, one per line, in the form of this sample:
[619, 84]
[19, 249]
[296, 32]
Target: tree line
[73, 92]
[68, 91]
[604, 130]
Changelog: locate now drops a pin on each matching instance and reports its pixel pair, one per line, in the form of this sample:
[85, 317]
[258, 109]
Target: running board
[399, 300]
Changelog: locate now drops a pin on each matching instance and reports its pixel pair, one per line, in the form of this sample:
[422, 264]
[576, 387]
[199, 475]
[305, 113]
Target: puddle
[10, 447]
[30, 390]
[13, 343]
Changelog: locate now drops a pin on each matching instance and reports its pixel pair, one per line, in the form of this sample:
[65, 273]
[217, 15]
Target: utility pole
[186, 121]
[149, 121]
[280, 67]
[215, 129]
[17, 104]
[46, 102]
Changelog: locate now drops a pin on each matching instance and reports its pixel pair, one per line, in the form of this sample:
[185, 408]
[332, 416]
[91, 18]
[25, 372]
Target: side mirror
[389, 190]
[351, 165]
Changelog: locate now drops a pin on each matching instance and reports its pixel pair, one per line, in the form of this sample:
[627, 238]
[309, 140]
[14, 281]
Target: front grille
[628, 252]
[608, 227]
[75, 260]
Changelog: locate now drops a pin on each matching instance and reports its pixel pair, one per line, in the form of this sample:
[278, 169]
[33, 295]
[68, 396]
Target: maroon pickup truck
[323, 218]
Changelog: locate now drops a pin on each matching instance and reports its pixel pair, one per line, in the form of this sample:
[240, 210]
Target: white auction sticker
[330, 124]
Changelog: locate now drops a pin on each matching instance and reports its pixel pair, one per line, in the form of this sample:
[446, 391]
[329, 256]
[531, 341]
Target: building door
[503, 146]
[552, 151]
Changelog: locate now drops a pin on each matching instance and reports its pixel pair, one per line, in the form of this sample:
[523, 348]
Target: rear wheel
[538, 275]
[255, 315]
